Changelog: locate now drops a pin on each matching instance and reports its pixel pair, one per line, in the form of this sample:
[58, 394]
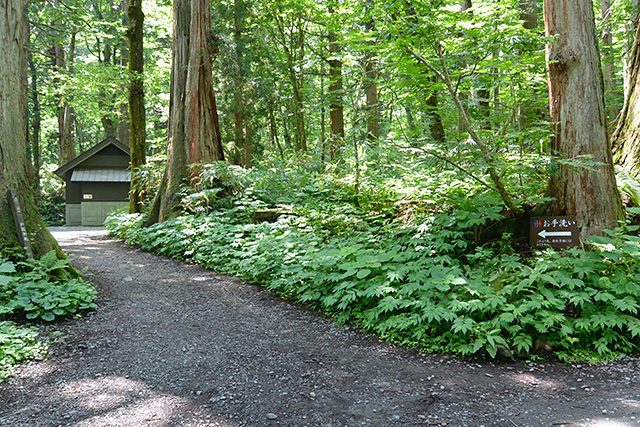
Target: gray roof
[90, 153]
[101, 175]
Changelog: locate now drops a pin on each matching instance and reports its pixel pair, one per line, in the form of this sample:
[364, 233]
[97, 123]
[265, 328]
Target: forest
[377, 161]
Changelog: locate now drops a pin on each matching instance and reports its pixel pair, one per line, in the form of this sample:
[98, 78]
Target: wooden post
[18, 218]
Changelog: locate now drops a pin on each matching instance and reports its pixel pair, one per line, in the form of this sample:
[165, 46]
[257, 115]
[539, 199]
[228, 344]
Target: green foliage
[17, 345]
[628, 185]
[38, 289]
[416, 263]
[51, 199]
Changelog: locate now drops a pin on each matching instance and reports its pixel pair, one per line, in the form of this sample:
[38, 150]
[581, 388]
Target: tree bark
[242, 137]
[202, 133]
[13, 135]
[576, 99]
[176, 171]
[435, 121]
[626, 138]
[36, 124]
[194, 130]
[371, 86]
[336, 104]
[65, 114]
[138, 135]
[124, 120]
[607, 57]
[529, 17]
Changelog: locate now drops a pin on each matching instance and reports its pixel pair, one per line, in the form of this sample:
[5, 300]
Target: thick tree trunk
[576, 99]
[202, 128]
[631, 27]
[13, 135]
[176, 172]
[138, 135]
[194, 130]
[626, 138]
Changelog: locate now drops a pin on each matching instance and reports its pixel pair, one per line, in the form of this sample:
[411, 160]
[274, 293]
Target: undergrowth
[36, 290]
[431, 279]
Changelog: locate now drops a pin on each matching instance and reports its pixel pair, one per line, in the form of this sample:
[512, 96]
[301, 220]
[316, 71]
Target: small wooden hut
[97, 183]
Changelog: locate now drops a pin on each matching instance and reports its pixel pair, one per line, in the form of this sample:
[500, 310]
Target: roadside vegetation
[33, 292]
[420, 259]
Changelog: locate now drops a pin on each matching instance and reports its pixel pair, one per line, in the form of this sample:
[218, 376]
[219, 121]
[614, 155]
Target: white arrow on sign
[544, 233]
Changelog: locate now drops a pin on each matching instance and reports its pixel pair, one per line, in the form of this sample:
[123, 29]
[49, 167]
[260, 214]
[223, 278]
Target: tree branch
[443, 74]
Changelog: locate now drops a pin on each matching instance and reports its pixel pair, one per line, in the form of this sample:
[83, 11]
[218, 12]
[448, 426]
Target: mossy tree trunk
[576, 99]
[13, 134]
[626, 138]
[138, 134]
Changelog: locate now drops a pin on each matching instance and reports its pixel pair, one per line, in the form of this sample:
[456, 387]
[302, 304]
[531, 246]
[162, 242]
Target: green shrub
[430, 283]
[35, 289]
[17, 345]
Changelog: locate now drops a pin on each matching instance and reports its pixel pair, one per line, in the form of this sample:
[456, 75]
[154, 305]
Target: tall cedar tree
[138, 135]
[13, 134]
[194, 129]
[576, 99]
[626, 137]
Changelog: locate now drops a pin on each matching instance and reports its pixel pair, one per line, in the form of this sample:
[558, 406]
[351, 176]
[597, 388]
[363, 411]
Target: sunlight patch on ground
[155, 411]
[41, 369]
[631, 403]
[101, 393]
[612, 423]
[533, 381]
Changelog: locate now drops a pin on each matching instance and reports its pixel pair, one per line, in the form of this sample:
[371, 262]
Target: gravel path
[176, 345]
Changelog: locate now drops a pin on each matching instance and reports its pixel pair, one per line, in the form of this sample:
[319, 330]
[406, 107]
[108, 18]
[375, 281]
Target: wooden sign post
[553, 231]
[18, 218]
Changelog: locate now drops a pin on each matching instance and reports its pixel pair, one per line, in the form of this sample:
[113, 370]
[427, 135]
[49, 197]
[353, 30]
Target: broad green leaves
[415, 284]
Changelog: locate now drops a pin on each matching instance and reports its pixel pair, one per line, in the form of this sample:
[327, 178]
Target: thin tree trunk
[607, 57]
[138, 135]
[371, 85]
[35, 127]
[243, 142]
[124, 121]
[435, 121]
[336, 104]
[576, 100]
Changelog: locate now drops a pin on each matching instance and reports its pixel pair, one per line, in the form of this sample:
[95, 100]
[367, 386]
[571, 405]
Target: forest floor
[172, 344]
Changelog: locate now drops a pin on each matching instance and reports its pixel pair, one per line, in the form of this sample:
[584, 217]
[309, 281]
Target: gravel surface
[176, 345]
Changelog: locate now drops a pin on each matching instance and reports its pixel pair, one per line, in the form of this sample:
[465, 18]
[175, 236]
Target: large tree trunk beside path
[13, 134]
[576, 98]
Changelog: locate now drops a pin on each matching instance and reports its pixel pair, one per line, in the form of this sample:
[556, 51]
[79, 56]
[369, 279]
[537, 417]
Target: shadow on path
[176, 345]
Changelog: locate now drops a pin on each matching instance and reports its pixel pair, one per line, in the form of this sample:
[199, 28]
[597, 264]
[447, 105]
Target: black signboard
[553, 231]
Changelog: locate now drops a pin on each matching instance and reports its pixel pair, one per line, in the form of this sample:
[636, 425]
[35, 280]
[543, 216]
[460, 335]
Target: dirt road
[175, 345]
